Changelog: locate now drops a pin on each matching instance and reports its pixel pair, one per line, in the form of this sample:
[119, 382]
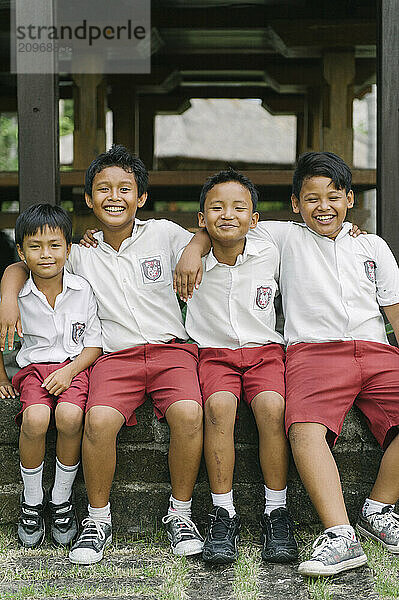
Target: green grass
[385, 569]
[319, 589]
[246, 573]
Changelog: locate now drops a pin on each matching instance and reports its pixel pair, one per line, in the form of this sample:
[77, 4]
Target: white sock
[181, 507]
[345, 530]
[102, 514]
[275, 499]
[373, 506]
[225, 501]
[63, 482]
[33, 488]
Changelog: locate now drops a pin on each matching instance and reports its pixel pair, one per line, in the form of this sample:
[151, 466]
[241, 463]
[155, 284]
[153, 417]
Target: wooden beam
[362, 178]
[388, 124]
[81, 222]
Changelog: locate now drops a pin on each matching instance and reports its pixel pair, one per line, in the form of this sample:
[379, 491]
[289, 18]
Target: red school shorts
[28, 383]
[168, 372]
[324, 380]
[252, 370]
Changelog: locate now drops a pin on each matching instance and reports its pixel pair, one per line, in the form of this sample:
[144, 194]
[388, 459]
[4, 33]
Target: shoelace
[220, 526]
[91, 530]
[321, 545]
[386, 518]
[185, 525]
[280, 527]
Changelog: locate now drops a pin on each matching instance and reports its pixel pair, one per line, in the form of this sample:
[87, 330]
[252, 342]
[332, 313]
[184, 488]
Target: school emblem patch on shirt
[263, 295]
[151, 268]
[370, 267]
[77, 331]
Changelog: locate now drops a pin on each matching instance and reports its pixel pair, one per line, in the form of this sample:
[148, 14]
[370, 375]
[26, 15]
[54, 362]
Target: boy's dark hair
[118, 156]
[229, 174]
[325, 164]
[36, 217]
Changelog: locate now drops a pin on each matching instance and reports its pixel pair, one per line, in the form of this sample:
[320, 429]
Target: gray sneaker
[382, 527]
[332, 554]
[31, 527]
[89, 547]
[184, 537]
[63, 522]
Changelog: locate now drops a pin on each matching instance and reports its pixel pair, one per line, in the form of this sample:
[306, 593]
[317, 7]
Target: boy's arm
[58, 381]
[12, 282]
[6, 388]
[188, 272]
[392, 314]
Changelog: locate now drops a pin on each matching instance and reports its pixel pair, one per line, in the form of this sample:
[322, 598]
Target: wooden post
[146, 118]
[122, 103]
[388, 124]
[339, 73]
[89, 118]
[38, 160]
[314, 132]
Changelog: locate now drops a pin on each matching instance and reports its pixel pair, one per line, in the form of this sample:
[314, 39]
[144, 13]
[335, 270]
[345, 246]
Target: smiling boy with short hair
[62, 338]
[232, 319]
[145, 349]
[332, 287]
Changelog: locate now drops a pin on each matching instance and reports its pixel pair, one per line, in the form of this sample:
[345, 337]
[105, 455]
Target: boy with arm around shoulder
[232, 319]
[332, 287]
[62, 338]
[130, 271]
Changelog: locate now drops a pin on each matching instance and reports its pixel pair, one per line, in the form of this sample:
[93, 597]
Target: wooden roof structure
[305, 58]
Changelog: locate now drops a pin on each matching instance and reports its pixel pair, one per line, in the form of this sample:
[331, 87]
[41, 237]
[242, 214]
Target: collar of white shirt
[346, 227]
[68, 281]
[250, 249]
[99, 236]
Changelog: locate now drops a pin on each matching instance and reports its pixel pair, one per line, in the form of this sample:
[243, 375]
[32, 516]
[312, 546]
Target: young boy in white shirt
[232, 319]
[332, 287]
[130, 271]
[61, 339]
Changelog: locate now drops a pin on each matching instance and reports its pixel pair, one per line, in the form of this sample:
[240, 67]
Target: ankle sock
[63, 482]
[181, 507]
[33, 487]
[345, 530]
[102, 514]
[225, 501]
[275, 499]
[373, 506]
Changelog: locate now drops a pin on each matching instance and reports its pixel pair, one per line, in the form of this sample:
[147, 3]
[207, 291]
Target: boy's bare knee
[219, 407]
[102, 425]
[68, 419]
[269, 406]
[186, 416]
[300, 434]
[35, 421]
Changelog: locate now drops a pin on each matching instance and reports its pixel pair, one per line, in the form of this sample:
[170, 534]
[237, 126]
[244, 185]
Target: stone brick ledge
[141, 487]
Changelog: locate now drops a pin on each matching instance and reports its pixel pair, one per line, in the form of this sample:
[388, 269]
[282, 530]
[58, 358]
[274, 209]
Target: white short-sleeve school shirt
[52, 335]
[133, 286]
[234, 305]
[332, 289]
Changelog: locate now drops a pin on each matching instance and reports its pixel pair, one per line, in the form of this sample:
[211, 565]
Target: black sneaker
[220, 546]
[89, 547]
[31, 527]
[63, 522]
[277, 539]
